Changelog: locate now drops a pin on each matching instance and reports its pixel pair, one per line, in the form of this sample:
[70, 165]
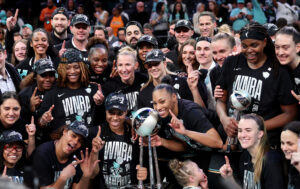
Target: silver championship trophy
[144, 122]
[240, 101]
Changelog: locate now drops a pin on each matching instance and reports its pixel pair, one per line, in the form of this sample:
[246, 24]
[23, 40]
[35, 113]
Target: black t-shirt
[294, 178]
[57, 43]
[181, 86]
[25, 67]
[101, 79]
[130, 91]
[271, 175]
[18, 126]
[16, 175]
[214, 76]
[68, 103]
[47, 166]
[267, 88]
[119, 158]
[296, 77]
[69, 45]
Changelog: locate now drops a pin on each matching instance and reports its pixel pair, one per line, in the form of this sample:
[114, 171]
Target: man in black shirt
[60, 23]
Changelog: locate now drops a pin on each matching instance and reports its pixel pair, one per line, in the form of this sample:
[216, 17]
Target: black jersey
[68, 103]
[294, 179]
[271, 175]
[119, 158]
[70, 45]
[130, 91]
[296, 77]
[101, 79]
[16, 175]
[181, 87]
[26, 66]
[269, 88]
[18, 126]
[47, 166]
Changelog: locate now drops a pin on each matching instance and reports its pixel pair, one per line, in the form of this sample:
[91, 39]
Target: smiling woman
[38, 46]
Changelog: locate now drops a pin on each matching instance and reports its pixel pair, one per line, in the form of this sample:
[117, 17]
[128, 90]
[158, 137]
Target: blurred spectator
[111, 37]
[46, 15]
[2, 17]
[200, 8]
[213, 7]
[284, 10]
[18, 51]
[100, 14]
[80, 9]
[2, 37]
[240, 16]
[159, 19]
[140, 14]
[121, 38]
[281, 22]
[17, 36]
[148, 30]
[122, 12]
[207, 24]
[116, 20]
[178, 1]
[225, 28]
[257, 12]
[101, 33]
[26, 31]
[178, 13]
[71, 8]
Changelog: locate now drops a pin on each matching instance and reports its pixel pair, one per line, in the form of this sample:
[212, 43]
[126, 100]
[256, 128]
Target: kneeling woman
[72, 97]
[119, 156]
[260, 167]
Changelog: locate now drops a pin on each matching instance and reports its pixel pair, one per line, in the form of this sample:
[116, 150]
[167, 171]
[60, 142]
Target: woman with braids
[73, 97]
[100, 67]
[260, 167]
[188, 174]
[257, 71]
[38, 46]
[290, 146]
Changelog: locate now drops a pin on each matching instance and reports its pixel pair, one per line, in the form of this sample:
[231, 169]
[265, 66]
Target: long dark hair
[159, 6]
[50, 50]
[181, 13]
[269, 49]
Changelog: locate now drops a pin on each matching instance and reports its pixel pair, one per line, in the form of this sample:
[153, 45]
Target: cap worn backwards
[60, 10]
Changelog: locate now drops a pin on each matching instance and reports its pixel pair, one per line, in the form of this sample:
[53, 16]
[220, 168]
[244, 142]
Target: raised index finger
[227, 160]
[172, 114]
[16, 14]
[4, 171]
[189, 69]
[99, 88]
[63, 45]
[34, 92]
[51, 108]
[99, 132]
[32, 119]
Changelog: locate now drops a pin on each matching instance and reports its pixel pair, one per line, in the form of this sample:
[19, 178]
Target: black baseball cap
[148, 39]
[155, 55]
[117, 101]
[71, 56]
[80, 18]
[60, 10]
[43, 65]
[184, 23]
[271, 28]
[10, 136]
[79, 127]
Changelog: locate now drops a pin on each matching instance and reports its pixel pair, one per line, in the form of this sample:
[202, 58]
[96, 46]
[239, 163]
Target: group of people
[68, 99]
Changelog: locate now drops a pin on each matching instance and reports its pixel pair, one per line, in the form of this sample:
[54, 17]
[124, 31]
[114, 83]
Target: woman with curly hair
[74, 95]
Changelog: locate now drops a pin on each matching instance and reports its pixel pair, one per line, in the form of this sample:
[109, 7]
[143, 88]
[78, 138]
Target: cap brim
[81, 22]
[46, 70]
[153, 60]
[183, 26]
[122, 108]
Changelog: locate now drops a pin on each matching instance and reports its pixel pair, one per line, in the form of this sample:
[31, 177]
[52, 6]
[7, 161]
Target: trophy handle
[158, 185]
[140, 184]
[151, 163]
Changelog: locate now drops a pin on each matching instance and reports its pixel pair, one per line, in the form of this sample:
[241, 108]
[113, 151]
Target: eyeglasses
[47, 74]
[151, 64]
[115, 112]
[10, 148]
[181, 29]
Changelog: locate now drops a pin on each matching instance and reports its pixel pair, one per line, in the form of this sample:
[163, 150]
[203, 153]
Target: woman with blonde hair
[188, 174]
[260, 166]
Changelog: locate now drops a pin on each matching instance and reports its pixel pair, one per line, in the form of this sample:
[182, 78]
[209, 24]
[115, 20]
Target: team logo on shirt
[266, 75]
[297, 81]
[251, 85]
[88, 90]
[75, 103]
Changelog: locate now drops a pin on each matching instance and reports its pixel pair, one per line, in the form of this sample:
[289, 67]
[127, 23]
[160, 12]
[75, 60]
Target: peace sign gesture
[98, 96]
[35, 101]
[30, 128]
[11, 21]
[97, 142]
[47, 117]
[177, 124]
